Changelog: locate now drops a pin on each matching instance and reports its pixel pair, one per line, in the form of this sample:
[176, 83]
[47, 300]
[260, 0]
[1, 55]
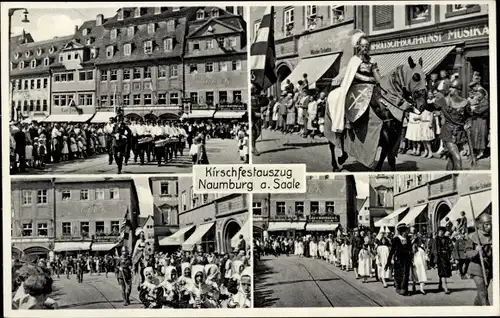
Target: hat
[138, 231]
[356, 37]
[402, 226]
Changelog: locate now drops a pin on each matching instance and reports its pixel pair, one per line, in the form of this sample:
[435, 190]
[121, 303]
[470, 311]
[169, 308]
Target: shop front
[322, 225]
[31, 248]
[72, 247]
[230, 113]
[285, 226]
[204, 236]
[104, 245]
[460, 46]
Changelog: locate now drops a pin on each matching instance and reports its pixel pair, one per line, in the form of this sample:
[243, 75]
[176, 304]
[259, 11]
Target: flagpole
[114, 100]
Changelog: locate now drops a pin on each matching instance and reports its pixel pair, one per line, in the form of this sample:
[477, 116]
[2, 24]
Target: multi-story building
[166, 200]
[381, 197]
[71, 215]
[30, 64]
[215, 64]
[364, 218]
[321, 209]
[309, 39]
[211, 220]
[425, 200]
[453, 37]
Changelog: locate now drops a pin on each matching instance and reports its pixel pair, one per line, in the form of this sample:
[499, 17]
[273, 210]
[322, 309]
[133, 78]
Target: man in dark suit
[20, 149]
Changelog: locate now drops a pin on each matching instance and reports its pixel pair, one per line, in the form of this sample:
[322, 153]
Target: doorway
[441, 212]
[232, 228]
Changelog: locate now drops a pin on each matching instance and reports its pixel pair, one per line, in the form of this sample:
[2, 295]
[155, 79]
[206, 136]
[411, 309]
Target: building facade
[166, 200]
[71, 215]
[309, 39]
[451, 37]
[381, 199]
[321, 209]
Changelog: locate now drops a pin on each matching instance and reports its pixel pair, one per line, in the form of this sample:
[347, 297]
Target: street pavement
[219, 151]
[304, 282]
[278, 148]
[96, 292]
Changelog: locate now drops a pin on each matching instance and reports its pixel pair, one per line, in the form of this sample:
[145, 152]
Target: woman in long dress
[321, 248]
[365, 261]
[419, 273]
[344, 255]
[479, 121]
[301, 248]
[313, 248]
[382, 255]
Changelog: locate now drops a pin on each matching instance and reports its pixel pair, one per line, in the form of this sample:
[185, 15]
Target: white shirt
[133, 129]
[140, 130]
[157, 131]
[147, 129]
[55, 132]
[108, 129]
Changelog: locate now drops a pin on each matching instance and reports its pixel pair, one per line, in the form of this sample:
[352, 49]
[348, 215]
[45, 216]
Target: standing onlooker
[480, 106]
[441, 252]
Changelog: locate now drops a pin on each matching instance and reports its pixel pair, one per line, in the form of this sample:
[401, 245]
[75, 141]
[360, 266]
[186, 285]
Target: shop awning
[278, 226]
[314, 67]
[337, 80]
[431, 57]
[229, 114]
[177, 238]
[197, 236]
[480, 201]
[70, 118]
[321, 227]
[102, 247]
[299, 226]
[146, 201]
[199, 113]
[29, 120]
[245, 231]
[102, 117]
[71, 246]
[391, 219]
[411, 216]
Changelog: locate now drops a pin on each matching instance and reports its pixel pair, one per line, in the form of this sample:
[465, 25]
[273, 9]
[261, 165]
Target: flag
[263, 53]
[125, 227]
[72, 103]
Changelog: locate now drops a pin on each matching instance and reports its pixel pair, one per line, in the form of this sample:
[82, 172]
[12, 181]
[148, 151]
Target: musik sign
[324, 219]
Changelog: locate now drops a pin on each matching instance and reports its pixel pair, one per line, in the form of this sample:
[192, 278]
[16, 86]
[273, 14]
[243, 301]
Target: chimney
[76, 29]
[99, 19]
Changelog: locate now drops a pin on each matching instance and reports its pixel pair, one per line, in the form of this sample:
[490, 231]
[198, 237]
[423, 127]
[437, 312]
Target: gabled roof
[73, 44]
[213, 21]
[227, 19]
[360, 202]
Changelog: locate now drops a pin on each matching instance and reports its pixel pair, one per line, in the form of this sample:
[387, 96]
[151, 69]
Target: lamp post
[24, 20]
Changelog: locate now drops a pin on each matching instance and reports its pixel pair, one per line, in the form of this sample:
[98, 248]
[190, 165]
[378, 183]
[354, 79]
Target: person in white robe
[382, 255]
[419, 267]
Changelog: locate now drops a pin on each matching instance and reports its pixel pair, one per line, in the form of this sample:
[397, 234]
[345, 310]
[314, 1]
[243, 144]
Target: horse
[400, 91]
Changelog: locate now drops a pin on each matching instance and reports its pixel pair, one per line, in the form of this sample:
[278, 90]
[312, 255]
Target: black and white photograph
[376, 241]
[131, 90]
[110, 243]
[363, 88]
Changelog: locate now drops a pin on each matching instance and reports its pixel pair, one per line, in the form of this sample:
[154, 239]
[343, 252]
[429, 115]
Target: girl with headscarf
[148, 290]
[419, 272]
[169, 292]
[242, 298]
[238, 268]
[313, 248]
[213, 280]
[185, 283]
[365, 260]
[200, 290]
[381, 259]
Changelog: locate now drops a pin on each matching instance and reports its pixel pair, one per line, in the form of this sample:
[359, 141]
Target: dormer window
[157, 10]
[114, 34]
[168, 44]
[17, 55]
[21, 65]
[39, 52]
[148, 47]
[85, 32]
[52, 49]
[127, 49]
[200, 15]
[130, 31]
[171, 25]
[28, 53]
[93, 53]
[33, 63]
[151, 28]
[89, 41]
[61, 58]
[215, 13]
[110, 51]
[120, 15]
[46, 62]
[137, 12]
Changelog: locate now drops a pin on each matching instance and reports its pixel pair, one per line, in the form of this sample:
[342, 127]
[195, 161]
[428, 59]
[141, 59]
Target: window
[38, 105]
[157, 10]
[461, 9]
[113, 74]
[148, 47]
[209, 44]
[330, 207]
[43, 229]
[232, 42]
[113, 34]
[41, 197]
[162, 71]
[66, 228]
[193, 68]
[147, 72]
[110, 51]
[383, 17]
[174, 98]
[221, 42]
[236, 66]
[38, 83]
[257, 208]
[151, 28]
[25, 106]
[84, 194]
[39, 52]
[137, 12]
[314, 207]
[209, 67]
[104, 76]
[170, 25]
[104, 100]
[137, 99]
[418, 14]
[338, 14]
[137, 73]
[164, 188]
[299, 208]
[45, 106]
[99, 226]
[222, 66]
[33, 63]
[93, 52]
[222, 97]
[194, 97]
[162, 99]
[32, 106]
[209, 98]
[280, 208]
[32, 84]
[27, 229]
[70, 77]
[196, 46]
[311, 12]
[84, 229]
[236, 96]
[148, 100]
[45, 82]
[126, 99]
[76, 56]
[99, 194]
[130, 31]
[28, 53]
[167, 44]
[289, 20]
[86, 75]
[115, 226]
[200, 15]
[256, 26]
[215, 13]
[21, 65]
[46, 61]
[174, 71]
[126, 74]
[127, 49]
[27, 197]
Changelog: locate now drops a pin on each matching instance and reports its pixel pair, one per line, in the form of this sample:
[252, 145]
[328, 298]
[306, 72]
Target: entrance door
[232, 228]
[282, 73]
[480, 64]
[441, 212]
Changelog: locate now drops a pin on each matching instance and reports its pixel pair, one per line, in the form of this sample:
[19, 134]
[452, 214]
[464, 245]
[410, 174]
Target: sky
[46, 24]
[362, 186]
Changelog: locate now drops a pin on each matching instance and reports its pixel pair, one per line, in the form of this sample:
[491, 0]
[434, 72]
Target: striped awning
[177, 238]
[411, 216]
[431, 57]
[102, 117]
[314, 67]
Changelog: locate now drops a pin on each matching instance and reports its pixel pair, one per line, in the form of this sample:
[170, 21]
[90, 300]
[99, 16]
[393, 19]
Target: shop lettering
[321, 50]
[435, 37]
[217, 81]
[486, 185]
[420, 201]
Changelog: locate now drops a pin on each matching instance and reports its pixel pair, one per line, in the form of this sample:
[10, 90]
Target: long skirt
[290, 118]
[300, 116]
[419, 273]
[479, 133]
[365, 266]
[444, 266]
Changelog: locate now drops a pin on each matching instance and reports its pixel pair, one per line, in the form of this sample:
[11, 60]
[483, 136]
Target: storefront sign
[324, 219]
[441, 37]
[330, 40]
[486, 185]
[322, 50]
[420, 201]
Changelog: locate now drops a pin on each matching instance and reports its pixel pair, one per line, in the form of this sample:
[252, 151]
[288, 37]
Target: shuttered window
[383, 17]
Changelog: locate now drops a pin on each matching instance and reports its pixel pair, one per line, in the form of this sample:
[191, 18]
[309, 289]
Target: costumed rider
[480, 252]
[360, 70]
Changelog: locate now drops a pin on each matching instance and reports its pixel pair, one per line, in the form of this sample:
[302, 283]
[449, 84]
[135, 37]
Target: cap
[402, 226]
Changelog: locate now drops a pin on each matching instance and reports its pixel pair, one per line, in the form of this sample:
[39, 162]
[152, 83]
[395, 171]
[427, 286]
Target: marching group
[35, 145]
[405, 257]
